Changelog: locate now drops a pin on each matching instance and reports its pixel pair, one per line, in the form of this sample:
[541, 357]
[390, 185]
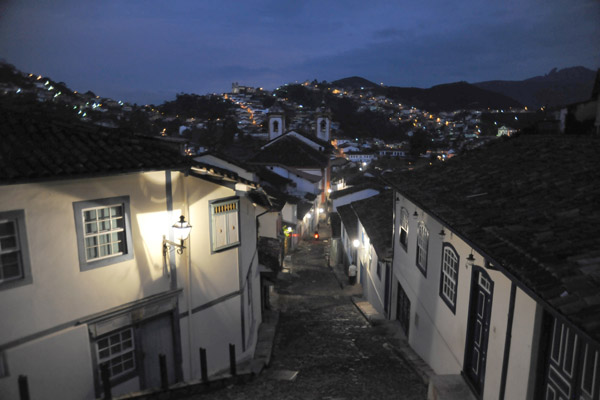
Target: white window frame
[20, 249]
[116, 341]
[404, 227]
[229, 210]
[124, 232]
[422, 247]
[111, 231]
[449, 275]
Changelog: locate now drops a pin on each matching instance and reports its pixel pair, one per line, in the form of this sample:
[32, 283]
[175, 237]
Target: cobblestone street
[322, 336]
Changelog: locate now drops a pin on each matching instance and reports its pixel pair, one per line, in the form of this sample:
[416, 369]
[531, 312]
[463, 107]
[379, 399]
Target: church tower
[323, 117]
[276, 120]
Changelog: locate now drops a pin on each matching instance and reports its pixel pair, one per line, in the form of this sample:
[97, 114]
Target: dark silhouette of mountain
[450, 97]
[555, 89]
[354, 82]
[447, 97]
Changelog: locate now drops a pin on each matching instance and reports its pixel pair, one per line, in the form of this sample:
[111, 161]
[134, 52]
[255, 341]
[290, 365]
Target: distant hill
[354, 82]
[450, 97]
[447, 97]
[555, 89]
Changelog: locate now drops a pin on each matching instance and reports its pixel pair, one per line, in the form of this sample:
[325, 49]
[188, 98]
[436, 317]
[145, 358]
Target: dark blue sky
[147, 50]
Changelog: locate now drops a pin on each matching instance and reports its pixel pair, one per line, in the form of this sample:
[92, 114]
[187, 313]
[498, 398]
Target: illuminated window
[449, 276]
[118, 351]
[404, 227]
[103, 232]
[422, 244]
[14, 255]
[224, 224]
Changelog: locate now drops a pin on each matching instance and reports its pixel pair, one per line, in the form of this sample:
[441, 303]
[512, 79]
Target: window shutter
[220, 224]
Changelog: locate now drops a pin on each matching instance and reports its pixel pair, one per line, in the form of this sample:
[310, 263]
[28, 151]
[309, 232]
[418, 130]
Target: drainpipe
[508, 339]
[189, 279]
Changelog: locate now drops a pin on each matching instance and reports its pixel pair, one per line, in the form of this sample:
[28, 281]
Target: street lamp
[182, 230]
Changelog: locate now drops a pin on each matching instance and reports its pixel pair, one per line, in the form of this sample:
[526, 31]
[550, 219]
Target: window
[103, 232]
[422, 244]
[14, 254]
[118, 351]
[224, 224]
[404, 227]
[449, 276]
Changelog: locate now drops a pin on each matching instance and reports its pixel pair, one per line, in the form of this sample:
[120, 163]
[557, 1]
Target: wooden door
[480, 310]
[403, 309]
[386, 289]
[156, 336]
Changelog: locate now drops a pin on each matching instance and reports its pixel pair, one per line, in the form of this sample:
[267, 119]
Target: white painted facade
[372, 273]
[349, 198]
[198, 299]
[438, 333]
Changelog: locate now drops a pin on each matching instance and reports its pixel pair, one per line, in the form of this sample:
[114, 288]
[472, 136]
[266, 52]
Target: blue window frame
[103, 228]
[15, 268]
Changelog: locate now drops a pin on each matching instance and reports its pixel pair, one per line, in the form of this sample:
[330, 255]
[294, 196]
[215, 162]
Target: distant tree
[419, 142]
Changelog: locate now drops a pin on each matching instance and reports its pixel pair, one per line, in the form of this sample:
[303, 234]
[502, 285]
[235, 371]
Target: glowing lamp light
[321, 210]
[181, 232]
[182, 229]
[355, 243]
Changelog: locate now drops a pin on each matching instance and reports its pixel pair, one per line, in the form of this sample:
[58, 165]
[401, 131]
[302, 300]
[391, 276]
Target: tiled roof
[376, 216]
[349, 219]
[531, 204]
[39, 146]
[292, 152]
[303, 208]
[265, 174]
[353, 189]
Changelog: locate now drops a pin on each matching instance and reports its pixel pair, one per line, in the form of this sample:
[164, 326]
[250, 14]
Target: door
[403, 309]
[572, 364]
[362, 275]
[480, 310]
[386, 289]
[156, 337]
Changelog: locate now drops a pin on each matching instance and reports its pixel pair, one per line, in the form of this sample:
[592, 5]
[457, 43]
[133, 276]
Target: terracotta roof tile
[38, 145]
[530, 203]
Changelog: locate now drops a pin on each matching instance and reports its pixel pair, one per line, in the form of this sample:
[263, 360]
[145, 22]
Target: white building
[491, 285]
[87, 279]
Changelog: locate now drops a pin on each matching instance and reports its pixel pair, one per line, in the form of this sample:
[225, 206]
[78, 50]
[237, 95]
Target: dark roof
[38, 146]
[376, 216]
[530, 204]
[310, 196]
[265, 174]
[292, 152]
[353, 189]
[303, 208]
[326, 145]
[260, 197]
[222, 156]
[349, 219]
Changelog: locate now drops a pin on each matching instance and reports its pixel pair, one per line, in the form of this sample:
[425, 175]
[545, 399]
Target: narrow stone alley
[324, 347]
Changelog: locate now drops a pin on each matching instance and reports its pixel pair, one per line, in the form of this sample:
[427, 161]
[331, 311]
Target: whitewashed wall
[437, 334]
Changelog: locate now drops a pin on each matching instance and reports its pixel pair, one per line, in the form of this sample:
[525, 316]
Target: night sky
[145, 51]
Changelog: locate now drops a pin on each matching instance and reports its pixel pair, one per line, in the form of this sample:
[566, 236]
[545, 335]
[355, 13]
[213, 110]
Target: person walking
[352, 274]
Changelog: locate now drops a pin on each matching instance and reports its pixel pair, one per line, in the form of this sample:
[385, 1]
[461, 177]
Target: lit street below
[324, 348]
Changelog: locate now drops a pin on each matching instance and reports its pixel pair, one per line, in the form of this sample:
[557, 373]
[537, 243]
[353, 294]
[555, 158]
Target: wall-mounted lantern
[182, 230]
[470, 261]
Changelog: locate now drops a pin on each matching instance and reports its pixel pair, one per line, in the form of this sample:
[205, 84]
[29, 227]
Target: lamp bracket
[169, 245]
